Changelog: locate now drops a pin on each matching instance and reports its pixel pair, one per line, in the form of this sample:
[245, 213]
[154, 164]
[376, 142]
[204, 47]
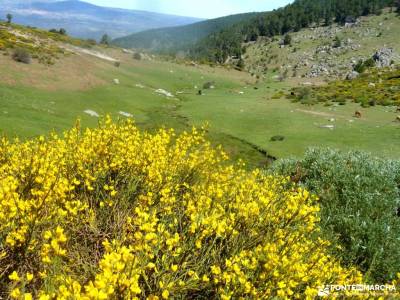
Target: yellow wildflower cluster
[112, 213]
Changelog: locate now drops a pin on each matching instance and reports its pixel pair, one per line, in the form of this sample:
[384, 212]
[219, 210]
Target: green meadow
[240, 114]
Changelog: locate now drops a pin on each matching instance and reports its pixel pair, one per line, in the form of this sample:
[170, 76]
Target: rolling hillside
[220, 39]
[179, 38]
[85, 20]
[244, 113]
[325, 52]
[299, 15]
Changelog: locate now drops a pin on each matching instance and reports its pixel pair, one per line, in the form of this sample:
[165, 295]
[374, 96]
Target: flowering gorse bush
[115, 213]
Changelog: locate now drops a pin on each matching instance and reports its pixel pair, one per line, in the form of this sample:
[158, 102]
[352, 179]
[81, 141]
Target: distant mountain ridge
[182, 37]
[85, 20]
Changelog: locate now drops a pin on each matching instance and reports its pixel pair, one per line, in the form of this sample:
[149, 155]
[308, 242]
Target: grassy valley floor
[242, 115]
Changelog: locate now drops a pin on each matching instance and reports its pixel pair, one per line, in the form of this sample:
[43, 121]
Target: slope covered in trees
[177, 38]
[218, 46]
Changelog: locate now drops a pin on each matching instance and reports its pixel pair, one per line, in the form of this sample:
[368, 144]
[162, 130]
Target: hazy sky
[196, 8]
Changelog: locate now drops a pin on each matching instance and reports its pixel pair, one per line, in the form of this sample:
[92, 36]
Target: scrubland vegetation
[374, 87]
[360, 205]
[112, 212]
[36, 43]
[124, 210]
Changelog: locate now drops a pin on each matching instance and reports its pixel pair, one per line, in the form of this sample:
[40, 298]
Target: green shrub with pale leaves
[359, 205]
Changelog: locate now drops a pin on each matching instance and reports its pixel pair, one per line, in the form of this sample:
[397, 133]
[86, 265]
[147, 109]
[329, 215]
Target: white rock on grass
[91, 113]
[125, 114]
[165, 93]
[139, 85]
[331, 127]
[116, 81]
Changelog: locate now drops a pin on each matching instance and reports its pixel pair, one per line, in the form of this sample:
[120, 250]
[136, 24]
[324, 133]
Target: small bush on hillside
[105, 40]
[137, 56]
[22, 55]
[287, 40]
[360, 67]
[337, 43]
[277, 138]
[360, 202]
[208, 85]
[369, 63]
[240, 64]
[60, 31]
[91, 42]
[304, 95]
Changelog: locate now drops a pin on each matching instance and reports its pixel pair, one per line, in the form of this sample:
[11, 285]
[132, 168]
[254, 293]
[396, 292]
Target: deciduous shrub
[277, 138]
[137, 56]
[116, 213]
[22, 55]
[359, 205]
[287, 40]
[337, 42]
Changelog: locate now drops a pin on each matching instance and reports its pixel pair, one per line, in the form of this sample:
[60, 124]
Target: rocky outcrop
[352, 75]
[384, 57]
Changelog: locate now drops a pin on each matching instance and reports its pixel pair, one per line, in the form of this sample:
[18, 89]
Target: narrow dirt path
[316, 113]
[78, 50]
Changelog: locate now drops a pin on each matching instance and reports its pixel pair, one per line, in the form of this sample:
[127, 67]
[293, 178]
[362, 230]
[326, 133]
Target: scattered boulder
[350, 22]
[164, 92]
[384, 57]
[331, 127]
[91, 113]
[116, 81]
[126, 51]
[277, 138]
[125, 114]
[352, 75]
[358, 114]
